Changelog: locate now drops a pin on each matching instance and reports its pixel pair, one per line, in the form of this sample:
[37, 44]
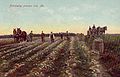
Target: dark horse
[19, 35]
[23, 36]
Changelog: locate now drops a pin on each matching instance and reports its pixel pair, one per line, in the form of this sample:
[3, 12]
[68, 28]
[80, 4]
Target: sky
[59, 15]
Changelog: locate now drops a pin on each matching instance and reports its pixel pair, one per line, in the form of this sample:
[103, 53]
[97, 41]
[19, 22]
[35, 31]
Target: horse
[96, 31]
[18, 34]
[23, 36]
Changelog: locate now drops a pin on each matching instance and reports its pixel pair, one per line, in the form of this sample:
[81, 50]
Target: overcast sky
[59, 15]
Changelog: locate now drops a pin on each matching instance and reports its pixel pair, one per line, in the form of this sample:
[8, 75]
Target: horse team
[96, 31]
[19, 35]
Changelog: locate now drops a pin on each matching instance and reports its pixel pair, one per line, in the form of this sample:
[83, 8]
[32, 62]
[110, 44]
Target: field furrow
[32, 61]
[48, 64]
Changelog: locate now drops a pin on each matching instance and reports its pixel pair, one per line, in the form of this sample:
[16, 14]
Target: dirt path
[97, 69]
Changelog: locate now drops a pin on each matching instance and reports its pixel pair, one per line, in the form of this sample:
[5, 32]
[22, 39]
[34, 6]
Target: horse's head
[14, 31]
[89, 28]
[93, 26]
[105, 28]
[18, 30]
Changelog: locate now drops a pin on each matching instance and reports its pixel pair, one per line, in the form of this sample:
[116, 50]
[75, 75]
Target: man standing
[52, 37]
[14, 35]
[31, 36]
[42, 37]
[67, 35]
[61, 35]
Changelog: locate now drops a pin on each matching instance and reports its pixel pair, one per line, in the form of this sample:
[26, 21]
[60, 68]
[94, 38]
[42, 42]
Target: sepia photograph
[59, 38]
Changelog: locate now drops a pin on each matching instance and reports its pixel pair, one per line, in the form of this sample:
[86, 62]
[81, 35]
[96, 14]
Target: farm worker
[43, 37]
[61, 35]
[67, 35]
[31, 36]
[14, 34]
[52, 37]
